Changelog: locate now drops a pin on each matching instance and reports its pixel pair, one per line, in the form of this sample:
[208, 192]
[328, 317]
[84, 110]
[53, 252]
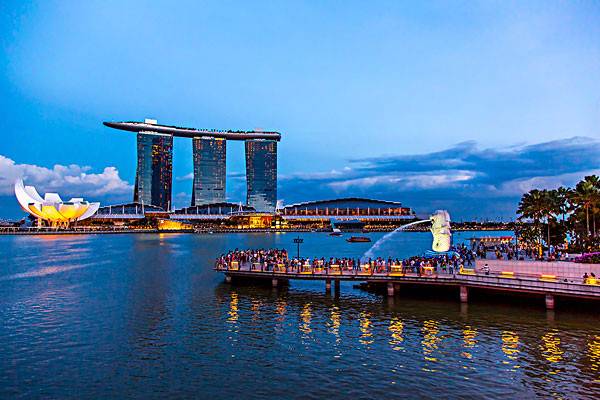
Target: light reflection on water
[594, 356]
[510, 347]
[306, 317]
[396, 328]
[336, 321]
[430, 342]
[233, 308]
[366, 333]
[147, 317]
[469, 341]
[552, 352]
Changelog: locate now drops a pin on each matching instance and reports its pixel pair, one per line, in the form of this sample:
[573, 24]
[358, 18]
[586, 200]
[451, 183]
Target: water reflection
[510, 347]
[233, 309]
[469, 341]
[280, 310]
[151, 322]
[366, 333]
[336, 320]
[430, 342]
[280, 307]
[306, 316]
[396, 328]
[551, 350]
[593, 348]
[255, 309]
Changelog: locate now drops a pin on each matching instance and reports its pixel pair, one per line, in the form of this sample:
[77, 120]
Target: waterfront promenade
[542, 279]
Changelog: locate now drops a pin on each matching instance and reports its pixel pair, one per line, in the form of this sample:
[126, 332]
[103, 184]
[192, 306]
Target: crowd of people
[510, 251]
[460, 256]
[270, 259]
[261, 256]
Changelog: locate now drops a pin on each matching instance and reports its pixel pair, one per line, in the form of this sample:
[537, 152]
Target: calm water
[145, 316]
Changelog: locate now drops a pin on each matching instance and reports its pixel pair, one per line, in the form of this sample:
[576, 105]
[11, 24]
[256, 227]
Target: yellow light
[396, 328]
[233, 308]
[52, 214]
[306, 315]
[366, 336]
[430, 339]
[335, 321]
[551, 347]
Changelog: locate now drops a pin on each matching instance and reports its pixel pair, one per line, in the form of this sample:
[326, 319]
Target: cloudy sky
[449, 104]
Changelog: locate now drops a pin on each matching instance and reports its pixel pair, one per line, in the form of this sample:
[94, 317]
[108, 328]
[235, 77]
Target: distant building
[154, 175]
[345, 214]
[51, 209]
[153, 183]
[217, 210]
[348, 207]
[209, 170]
[133, 215]
[261, 175]
[348, 213]
[127, 211]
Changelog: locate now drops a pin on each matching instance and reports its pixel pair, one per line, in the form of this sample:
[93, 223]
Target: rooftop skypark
[151, 125]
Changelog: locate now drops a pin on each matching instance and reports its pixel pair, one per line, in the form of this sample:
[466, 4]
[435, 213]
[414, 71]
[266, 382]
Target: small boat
[358, 239]
[336, 232]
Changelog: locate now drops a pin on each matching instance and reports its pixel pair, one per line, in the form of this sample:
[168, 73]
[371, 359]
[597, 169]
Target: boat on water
[358, 239]
[336, 232]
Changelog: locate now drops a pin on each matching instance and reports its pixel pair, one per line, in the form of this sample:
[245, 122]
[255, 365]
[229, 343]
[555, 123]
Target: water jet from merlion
[440, 230]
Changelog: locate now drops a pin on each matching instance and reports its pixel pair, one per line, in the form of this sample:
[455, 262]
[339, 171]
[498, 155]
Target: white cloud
[72, 180]
[333, 174]
[519, 186]
[433, 180]
[186, 177]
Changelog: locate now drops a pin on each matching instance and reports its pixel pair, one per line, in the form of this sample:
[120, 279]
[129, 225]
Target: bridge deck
[542, 284]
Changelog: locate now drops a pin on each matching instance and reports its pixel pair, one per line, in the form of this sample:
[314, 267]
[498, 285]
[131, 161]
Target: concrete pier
[390, 289]
[464, 294]
[541, 285]
[550, 302]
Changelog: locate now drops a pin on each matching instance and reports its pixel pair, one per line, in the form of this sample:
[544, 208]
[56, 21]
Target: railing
[398, 271]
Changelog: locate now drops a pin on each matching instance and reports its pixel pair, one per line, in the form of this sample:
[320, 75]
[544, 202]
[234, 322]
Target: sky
[460, 105]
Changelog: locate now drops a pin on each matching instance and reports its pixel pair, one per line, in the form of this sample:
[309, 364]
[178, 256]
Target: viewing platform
[529, 280]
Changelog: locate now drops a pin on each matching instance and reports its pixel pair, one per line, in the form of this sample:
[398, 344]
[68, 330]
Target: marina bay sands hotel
[154, 174]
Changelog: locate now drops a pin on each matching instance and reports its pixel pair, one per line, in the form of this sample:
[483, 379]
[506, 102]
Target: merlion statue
[440, 228]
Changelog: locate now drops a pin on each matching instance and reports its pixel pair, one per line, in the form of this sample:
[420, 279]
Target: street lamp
[298, 240]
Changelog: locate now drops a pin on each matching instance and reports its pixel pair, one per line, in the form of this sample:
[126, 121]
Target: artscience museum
[50, 209]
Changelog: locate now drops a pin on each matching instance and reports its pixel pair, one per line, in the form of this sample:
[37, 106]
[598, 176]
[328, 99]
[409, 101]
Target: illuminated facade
[154, 175]
[348, 207]
[261, 174]
[209, 171]
[51, 208]
[350, 213]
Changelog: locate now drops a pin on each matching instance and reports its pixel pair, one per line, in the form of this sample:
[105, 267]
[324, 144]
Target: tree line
[561, 216]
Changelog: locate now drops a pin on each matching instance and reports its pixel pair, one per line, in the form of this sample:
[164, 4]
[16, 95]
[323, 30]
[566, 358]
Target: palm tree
[563, 196]
[554, 206]
[533, 206]
[587, 195]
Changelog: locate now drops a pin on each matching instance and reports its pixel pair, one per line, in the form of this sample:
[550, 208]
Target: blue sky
[421, 102]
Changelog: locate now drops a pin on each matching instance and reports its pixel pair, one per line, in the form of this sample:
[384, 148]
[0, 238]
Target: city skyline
[415, 104]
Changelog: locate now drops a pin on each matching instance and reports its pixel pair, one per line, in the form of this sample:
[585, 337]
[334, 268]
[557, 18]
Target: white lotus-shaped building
[51, 208]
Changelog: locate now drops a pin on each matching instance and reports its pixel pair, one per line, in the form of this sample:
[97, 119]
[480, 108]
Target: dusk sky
[449, 104]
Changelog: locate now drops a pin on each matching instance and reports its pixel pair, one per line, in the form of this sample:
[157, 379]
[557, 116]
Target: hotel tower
[154, 175]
